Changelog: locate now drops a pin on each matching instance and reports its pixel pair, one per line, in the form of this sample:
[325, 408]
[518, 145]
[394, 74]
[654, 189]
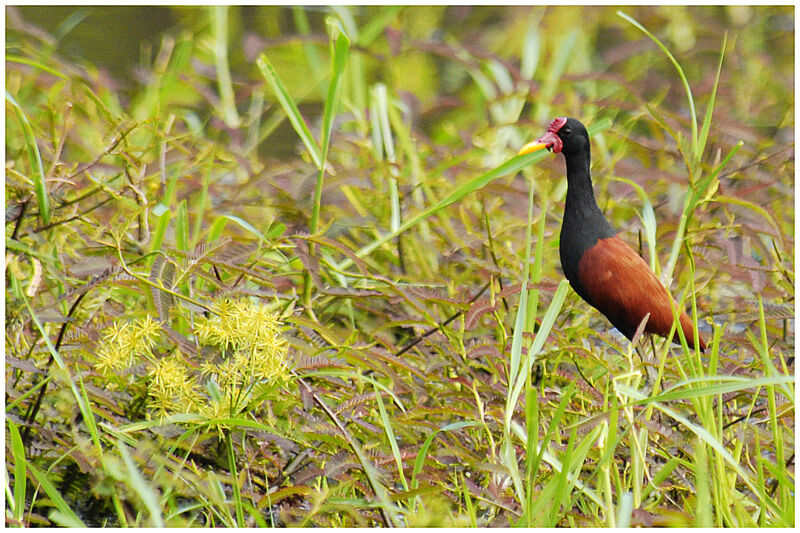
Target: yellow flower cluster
[254, 336]
[253, 356]
[173, 387]
[126, 343]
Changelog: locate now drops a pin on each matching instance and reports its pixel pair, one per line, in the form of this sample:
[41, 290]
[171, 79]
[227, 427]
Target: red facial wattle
[549, 140]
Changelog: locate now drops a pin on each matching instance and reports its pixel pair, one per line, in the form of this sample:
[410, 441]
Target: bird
[607, 273]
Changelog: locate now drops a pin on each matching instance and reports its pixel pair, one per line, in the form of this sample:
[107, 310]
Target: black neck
[581, 208]
[584, 223]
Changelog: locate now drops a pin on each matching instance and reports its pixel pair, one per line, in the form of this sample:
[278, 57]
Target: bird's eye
[566, 132]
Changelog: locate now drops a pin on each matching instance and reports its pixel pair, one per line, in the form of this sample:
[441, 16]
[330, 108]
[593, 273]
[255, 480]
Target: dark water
[110, 37]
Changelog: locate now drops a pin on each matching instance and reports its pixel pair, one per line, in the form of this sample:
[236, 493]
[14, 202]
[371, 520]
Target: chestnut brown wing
[621, 286]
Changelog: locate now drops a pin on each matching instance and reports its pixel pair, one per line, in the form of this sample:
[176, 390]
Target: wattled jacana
[602, 269]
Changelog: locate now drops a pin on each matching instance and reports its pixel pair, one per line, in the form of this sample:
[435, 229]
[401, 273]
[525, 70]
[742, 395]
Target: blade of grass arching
[555, 422]
[561, 492]
[35, 161]
[531, 447]
[686, 389]
[382, 109]
[63, 515]
[533, 293]
[681, 74]
[219, 31]
[753, 207]
[511, 166]
[387, 426]
[548, 320]
[137, 482]
[35, 64]
[509, 456]
[553, 461]
[701, 143]
[20, 477]
[290, 108]
[246, 225]
[660, 477]
[516, 345]
[419, 462]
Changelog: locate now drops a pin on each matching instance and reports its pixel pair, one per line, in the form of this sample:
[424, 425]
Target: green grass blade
[66, 516]
[701, 142]
[419, 462]
[35, 161]
[290, 108]
[20, 476]
[531, 446]
[516, 342]
[227, 99]
[340, 52]
[387, 426]
[702, 488]
[237, 493]
[548, 320]
[244, 224]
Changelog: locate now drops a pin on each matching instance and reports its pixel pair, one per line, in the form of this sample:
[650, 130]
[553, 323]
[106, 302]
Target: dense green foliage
[284, 268]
